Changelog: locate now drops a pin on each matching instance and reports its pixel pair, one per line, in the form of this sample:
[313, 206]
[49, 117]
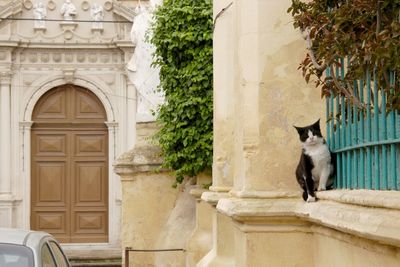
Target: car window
[61, 261]
[47, 257]
[15, 256]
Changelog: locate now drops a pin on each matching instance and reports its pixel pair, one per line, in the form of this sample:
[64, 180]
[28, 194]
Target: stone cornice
[12, 8]
[214, 197]
[49, 45]
[123, 11]
[370, 220]
[140, 159]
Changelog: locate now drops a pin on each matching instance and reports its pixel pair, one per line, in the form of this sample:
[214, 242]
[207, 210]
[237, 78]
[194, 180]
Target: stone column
[224, 116]
[131, 113]
[200, 242]
[25, 185]
[223, 134]
[222, 253]
[271, 97]
[5, 136]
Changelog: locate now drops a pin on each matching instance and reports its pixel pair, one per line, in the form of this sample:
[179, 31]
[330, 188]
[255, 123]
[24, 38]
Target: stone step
[100, 258]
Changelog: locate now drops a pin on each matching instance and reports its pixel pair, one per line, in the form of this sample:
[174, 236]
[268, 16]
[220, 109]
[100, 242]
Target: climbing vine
[365, 33]
[182, 35]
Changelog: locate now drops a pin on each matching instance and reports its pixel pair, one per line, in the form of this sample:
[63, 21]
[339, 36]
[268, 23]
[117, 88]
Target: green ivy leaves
[182, 35]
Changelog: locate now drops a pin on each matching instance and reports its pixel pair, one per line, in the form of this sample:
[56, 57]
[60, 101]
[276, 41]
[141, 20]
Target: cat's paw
[321, 188]
[311, 199]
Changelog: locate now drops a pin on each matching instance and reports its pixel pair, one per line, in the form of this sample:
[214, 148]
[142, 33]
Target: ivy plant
[182, 36]
[365, 33]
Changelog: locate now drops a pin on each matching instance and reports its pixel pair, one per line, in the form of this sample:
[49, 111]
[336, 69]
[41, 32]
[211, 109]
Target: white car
[24, 248]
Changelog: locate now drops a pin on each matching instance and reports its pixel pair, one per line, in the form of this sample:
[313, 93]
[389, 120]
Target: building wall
[256, 149]
[34, 60]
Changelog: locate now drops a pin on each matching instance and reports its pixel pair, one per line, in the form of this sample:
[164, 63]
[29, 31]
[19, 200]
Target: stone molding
[141, 159]
[367, 198]
[368, 221]
[11, 8]
[73, 57]
[5, 77]
[214, 197]
[264, 194]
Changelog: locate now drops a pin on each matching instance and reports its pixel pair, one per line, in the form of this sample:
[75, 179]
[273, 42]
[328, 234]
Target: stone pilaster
[5, 134]
[223, 51]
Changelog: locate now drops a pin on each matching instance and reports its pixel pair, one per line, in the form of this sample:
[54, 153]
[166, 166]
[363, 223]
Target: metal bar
[376, 133]
[392, 135]
[368, 144]
[368, 133]
[343, 139]
[349, 142]
[361, 182]
[354, 137]
[384, 165]
[155, 250]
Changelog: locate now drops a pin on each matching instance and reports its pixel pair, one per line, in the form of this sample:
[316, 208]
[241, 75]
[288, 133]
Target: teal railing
[366, 141]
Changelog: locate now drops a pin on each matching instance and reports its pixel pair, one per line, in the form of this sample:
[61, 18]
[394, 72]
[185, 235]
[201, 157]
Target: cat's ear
[300, 130]
[316, 125]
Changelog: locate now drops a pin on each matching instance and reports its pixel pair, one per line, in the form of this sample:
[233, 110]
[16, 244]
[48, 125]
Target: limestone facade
[258, 217]
[36, 56]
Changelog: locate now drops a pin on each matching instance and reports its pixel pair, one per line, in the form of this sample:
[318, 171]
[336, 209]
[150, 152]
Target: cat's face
[310, 135]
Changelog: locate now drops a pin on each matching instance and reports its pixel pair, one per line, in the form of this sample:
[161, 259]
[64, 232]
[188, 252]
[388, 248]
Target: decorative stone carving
[70, 57]
[5, 77]
[69, 75]
[45, 57]
[57, 57]
[68, 35]
[33, 58]
[68, 26]
[40, 13]
[97, 14]
[51, 5]
[140, 71]
[81, 58]
[85, 5]
[27, 4]
[108, 5]
[68, 10]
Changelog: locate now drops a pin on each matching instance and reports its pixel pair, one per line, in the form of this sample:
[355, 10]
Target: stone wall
[258, 217]
[154, 214]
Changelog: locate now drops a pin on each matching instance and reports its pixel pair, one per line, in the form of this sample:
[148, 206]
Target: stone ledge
[368, 198]
[378, 224]
[139, 160]
[213, 197]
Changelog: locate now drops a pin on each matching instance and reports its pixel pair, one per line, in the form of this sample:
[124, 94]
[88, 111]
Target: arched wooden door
[69, 166]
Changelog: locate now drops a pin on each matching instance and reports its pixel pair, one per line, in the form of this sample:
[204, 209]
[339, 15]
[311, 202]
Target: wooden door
[69, 166]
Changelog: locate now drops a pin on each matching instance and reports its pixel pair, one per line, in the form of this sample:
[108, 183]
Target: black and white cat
[316, 169]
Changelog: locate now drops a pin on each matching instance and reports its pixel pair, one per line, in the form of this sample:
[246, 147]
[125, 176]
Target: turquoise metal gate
[366, 141]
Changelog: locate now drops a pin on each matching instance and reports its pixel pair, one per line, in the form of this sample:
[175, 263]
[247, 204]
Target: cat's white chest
[321, 158]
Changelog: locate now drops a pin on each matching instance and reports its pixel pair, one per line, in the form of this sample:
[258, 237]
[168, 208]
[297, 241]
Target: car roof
[21, 236]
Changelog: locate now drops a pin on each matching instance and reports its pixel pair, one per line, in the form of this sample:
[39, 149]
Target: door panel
[69, 166]
[51, 183]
